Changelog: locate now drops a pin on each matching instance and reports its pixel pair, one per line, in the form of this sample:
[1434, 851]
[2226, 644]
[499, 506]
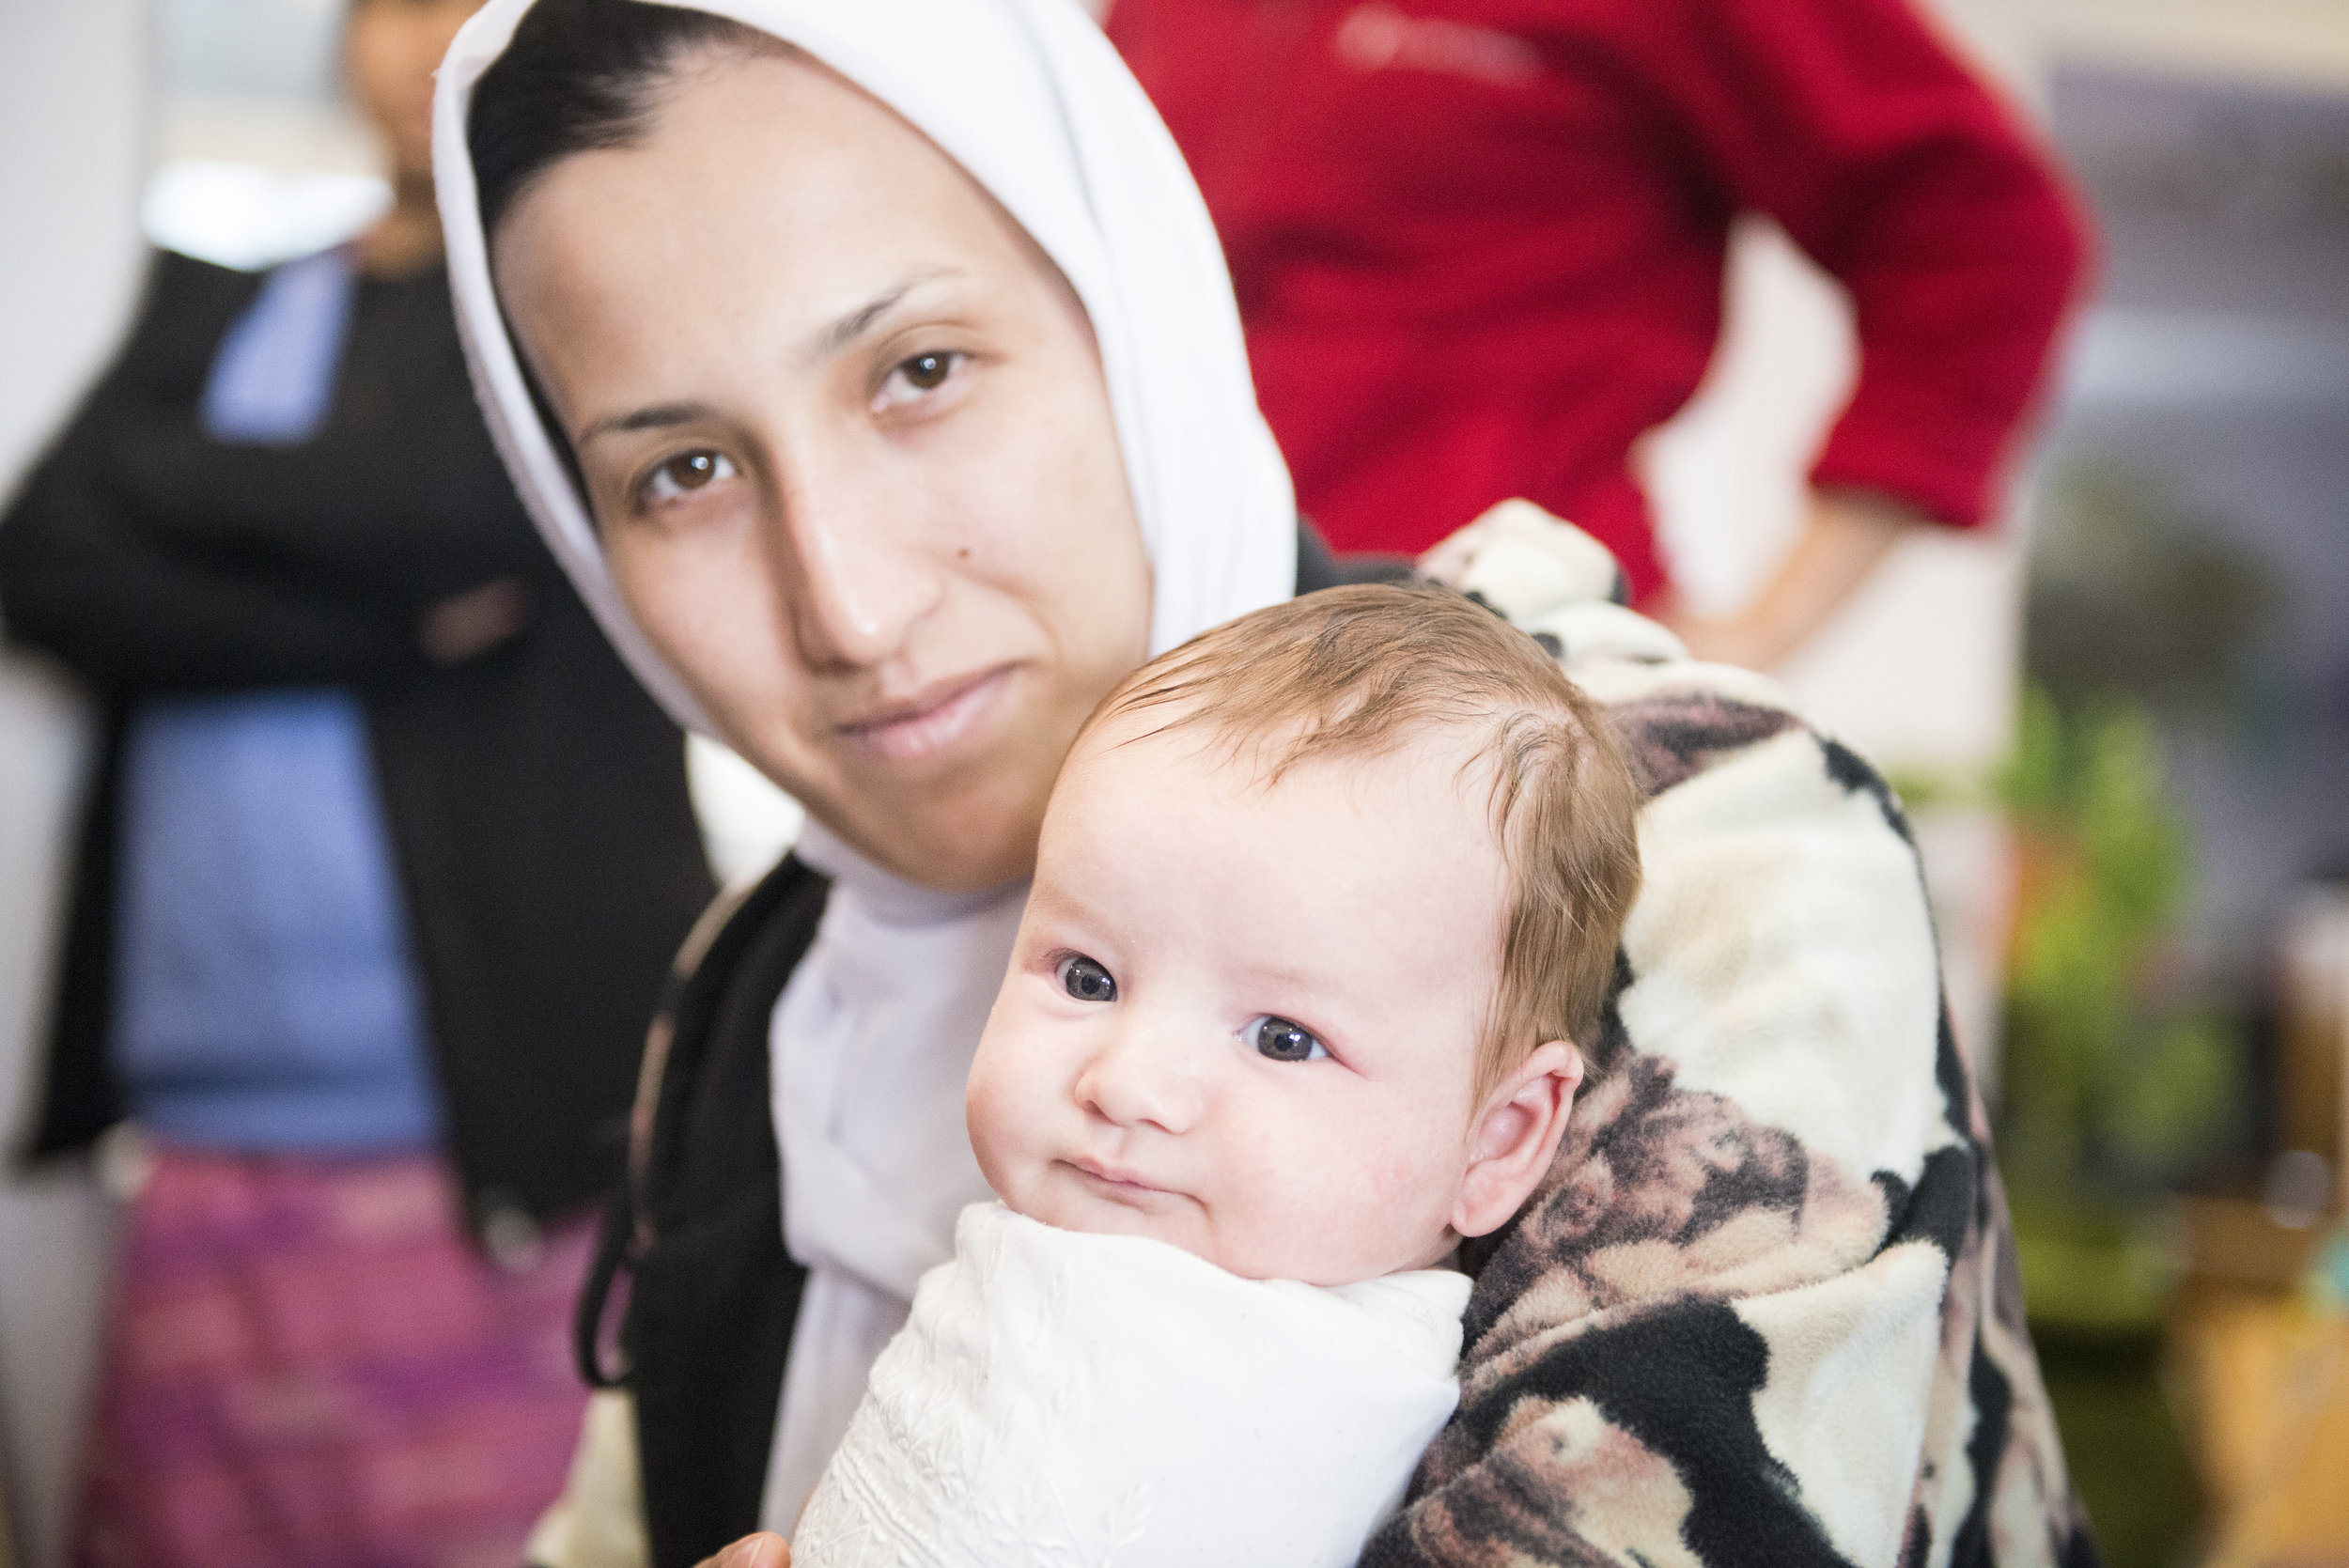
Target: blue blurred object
[272, 380]
[2328, 1276]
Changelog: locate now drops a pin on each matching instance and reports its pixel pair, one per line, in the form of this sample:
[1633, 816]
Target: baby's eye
[910, 378]
[1086, 980]
[686, 472]
[1283, 1041]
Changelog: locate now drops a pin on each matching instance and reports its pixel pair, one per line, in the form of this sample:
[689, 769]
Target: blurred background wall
[77, 121]
[2206, 410]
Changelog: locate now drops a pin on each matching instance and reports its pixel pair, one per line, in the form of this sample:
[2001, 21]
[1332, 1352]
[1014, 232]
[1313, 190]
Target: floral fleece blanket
[1766, 1309]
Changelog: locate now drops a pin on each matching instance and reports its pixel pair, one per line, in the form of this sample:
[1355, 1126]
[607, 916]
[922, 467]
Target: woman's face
[390, 50]
[845, 434]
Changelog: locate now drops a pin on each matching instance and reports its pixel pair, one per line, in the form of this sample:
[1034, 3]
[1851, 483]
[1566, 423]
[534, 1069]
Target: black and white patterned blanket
[1765, 1310]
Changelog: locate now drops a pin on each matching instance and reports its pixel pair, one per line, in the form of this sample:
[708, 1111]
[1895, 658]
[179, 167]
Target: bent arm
[1842, 542]
[79, 579]
[1927, 198]
[1900, 173]
[90, 572]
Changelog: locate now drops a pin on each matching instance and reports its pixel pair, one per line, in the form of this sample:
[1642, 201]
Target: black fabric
[1318, 567]
[714, 1297]
[536, 797]
[80, 1098]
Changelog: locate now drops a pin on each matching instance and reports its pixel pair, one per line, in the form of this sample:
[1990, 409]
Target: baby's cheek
[1408, 1176]
[992, 1111]
[1326, 1201]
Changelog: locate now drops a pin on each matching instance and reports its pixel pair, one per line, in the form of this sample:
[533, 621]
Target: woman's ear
[1516, 1137]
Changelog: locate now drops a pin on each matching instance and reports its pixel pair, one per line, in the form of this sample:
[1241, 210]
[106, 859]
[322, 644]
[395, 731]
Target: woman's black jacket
[699, 1226]
[536, 797]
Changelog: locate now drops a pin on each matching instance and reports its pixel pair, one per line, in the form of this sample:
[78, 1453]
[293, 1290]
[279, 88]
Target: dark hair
[579, 75]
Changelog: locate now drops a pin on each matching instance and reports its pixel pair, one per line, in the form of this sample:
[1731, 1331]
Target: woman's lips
[932, 720]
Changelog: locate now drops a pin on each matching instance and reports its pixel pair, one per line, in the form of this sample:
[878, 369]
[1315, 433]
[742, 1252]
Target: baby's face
[1244, 1020]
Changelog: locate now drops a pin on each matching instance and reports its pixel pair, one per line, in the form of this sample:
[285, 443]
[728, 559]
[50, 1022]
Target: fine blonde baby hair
[1359, 672]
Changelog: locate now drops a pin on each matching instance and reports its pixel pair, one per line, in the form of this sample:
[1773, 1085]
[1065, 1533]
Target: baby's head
[1325, 899]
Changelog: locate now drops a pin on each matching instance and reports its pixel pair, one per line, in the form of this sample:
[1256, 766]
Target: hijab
[873, 1036]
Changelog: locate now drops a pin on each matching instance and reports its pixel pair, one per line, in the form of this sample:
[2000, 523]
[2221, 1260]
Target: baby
[1324, 900]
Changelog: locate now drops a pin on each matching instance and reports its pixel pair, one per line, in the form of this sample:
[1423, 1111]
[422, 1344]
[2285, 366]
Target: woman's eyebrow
[659, 416]
[844, 330]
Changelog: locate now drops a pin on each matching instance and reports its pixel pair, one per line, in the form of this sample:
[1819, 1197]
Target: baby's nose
[1135, 1080]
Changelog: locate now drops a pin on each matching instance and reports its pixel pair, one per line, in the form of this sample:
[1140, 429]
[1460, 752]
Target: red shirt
[1479, 244]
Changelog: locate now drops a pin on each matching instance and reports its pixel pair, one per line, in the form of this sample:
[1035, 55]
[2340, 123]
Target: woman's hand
[465, 626]
[1845, 538]
[753, 1551]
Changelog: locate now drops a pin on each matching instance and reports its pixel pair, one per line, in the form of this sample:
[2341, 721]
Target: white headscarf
[873, 1036]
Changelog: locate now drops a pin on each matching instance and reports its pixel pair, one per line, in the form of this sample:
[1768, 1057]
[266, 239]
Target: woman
[385, 849]
[874, 371]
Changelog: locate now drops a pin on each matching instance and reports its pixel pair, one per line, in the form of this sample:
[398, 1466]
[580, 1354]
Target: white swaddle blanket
[1070, 1401]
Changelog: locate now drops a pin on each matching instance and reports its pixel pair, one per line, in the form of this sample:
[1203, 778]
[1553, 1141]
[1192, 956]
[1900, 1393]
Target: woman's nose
[1137, 1079]
[858, 582]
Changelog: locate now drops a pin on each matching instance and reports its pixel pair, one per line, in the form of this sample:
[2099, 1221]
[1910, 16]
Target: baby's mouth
[1118, 1184]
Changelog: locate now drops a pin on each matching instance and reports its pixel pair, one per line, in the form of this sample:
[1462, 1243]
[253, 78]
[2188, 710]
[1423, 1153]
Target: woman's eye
[686, 472]
[927, 371]
[912, 377]
[1086, 980]
[1283, 1041]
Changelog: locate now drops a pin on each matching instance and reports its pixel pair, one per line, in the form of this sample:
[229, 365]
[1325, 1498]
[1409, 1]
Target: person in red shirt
[1479, 248]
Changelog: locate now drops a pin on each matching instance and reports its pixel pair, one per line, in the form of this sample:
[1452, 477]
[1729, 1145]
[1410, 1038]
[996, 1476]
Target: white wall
[2278, 43]
[73, 98]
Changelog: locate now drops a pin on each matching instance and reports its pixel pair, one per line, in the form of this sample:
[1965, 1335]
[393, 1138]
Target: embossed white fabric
[869, 1050]
[1068, 1400]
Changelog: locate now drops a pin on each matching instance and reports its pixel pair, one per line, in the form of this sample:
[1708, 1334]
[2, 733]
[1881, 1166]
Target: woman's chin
[952, 849]
[962, 823]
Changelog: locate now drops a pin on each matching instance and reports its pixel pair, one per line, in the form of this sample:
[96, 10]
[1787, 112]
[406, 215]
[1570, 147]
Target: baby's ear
[1514, 1138]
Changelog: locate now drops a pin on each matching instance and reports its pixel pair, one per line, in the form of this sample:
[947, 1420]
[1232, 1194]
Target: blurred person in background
[1479, 247]
[384, 861]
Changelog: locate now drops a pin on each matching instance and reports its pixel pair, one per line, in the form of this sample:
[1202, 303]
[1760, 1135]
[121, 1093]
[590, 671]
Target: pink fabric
[309, 1367]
